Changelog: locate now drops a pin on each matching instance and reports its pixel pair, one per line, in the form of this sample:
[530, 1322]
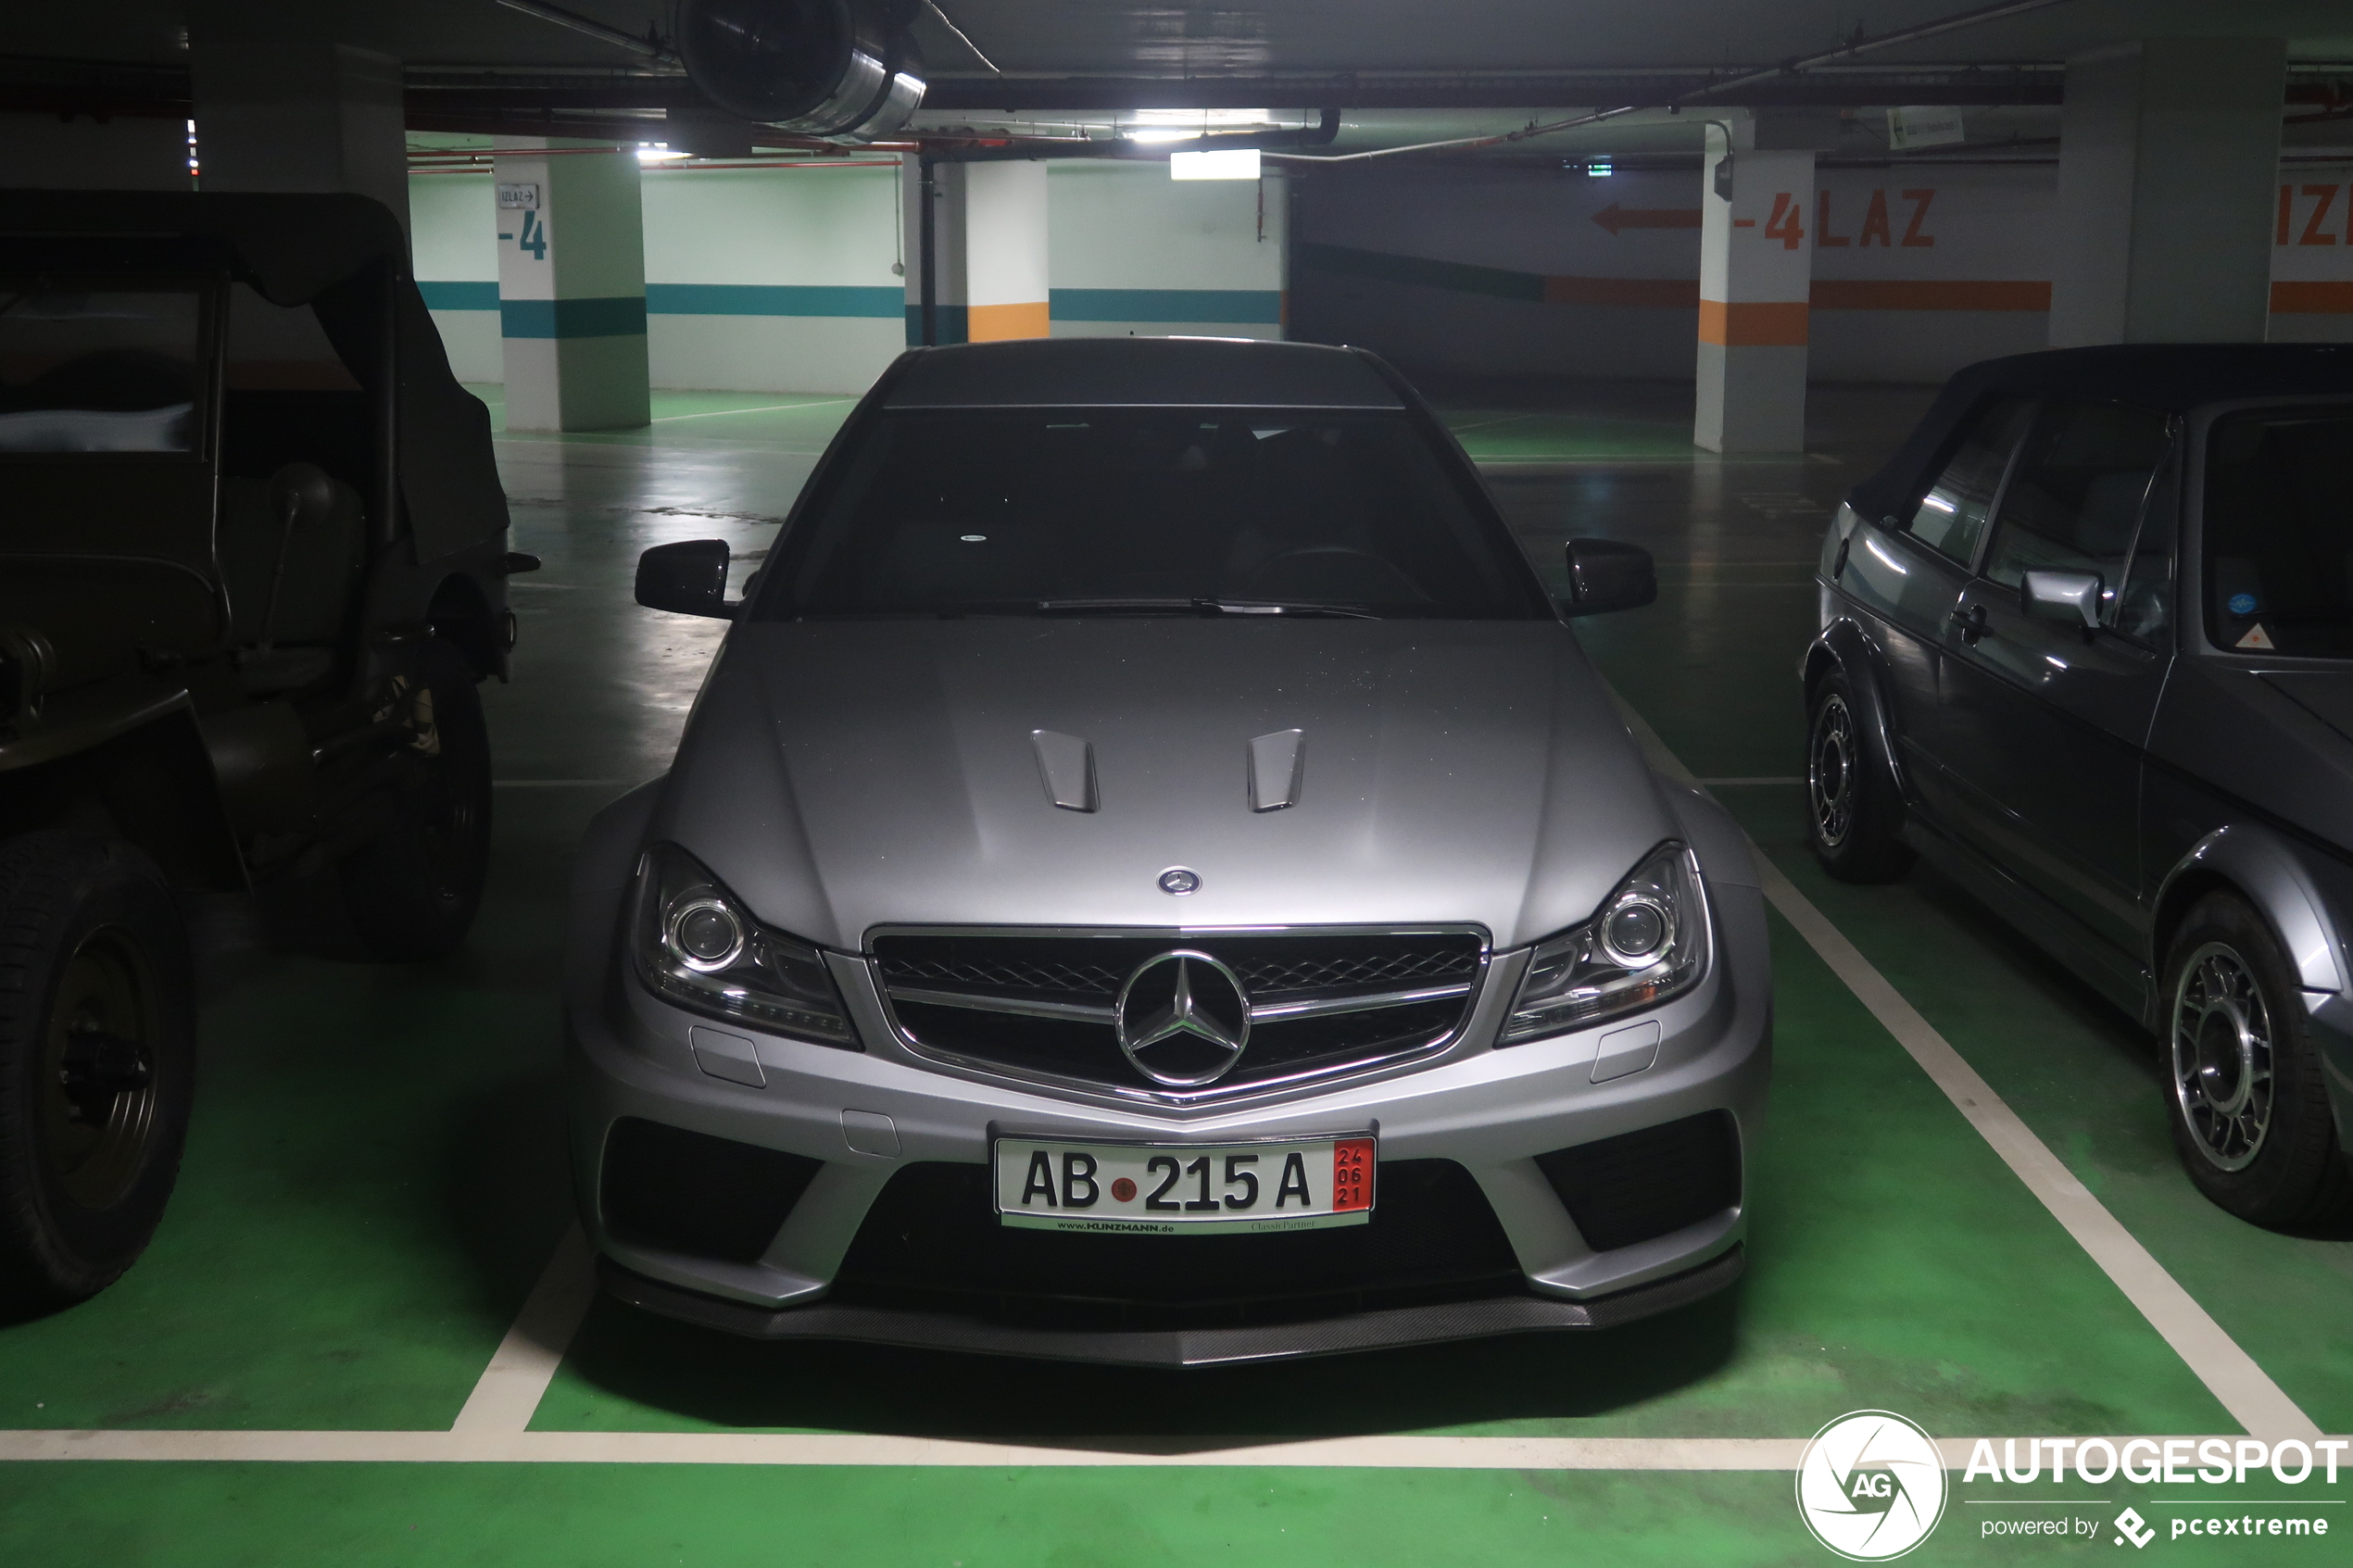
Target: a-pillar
[572, 284]
[286, 113]
[986, 259]
[1755, 276]
[2169, 153]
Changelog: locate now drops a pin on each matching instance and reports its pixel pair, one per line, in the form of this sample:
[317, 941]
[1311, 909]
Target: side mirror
[1604, 575]
[2071, 596]
[687, 578]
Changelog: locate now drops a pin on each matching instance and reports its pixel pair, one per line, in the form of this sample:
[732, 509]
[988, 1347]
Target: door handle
[1970, 626]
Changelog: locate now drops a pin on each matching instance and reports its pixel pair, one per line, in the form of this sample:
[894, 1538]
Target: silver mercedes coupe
[1152, 877]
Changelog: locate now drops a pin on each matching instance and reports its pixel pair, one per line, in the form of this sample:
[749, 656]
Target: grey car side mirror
[687, 578]
[2061, 595]
[1604, 574]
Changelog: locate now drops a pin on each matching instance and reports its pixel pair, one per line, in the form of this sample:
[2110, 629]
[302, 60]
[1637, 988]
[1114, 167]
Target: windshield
[97, 369]
[2279, 532]
[1149, 511]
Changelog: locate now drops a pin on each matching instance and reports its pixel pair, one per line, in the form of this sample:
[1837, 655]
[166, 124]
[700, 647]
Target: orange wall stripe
[1753, 324]
[993, 323]
[1939, 294]
[2313, 299]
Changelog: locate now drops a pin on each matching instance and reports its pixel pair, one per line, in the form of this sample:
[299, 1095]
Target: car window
[2074, 501]
[97, 369]
[1951, 517]
[2279, 532]
[1124, 510]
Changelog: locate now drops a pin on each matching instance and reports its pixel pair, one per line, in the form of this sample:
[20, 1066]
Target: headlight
[694, 946]
[1648, 943]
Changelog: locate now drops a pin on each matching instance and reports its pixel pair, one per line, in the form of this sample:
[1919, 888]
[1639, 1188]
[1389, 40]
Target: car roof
[1140, 372]
[2171, 378]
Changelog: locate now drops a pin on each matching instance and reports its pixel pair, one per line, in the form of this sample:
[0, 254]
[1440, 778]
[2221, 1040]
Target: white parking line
[2243, 1388]
[513, 1384]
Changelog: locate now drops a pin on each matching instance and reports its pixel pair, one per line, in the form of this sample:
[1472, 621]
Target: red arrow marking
[1615, 217]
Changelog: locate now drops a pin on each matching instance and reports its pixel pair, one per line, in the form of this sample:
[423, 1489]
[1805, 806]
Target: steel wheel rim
[97, 1124]
[1829, 771]
[2221, 1056]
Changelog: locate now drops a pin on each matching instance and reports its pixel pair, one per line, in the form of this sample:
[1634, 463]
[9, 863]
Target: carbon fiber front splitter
[1174, 1348]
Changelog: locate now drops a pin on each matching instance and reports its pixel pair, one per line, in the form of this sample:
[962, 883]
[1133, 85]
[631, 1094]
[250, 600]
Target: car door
[2043, 721]
[1906, 573]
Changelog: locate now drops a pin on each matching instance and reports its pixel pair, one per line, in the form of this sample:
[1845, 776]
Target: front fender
[1844, 646]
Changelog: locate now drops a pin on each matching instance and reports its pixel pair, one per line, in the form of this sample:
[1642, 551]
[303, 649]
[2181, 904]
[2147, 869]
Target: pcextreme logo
[1871, 1485]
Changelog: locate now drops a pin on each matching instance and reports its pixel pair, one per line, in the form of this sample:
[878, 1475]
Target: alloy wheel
[1829, 771]
[2221, 1056]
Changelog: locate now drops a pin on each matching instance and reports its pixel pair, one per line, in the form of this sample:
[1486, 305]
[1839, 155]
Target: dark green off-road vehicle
[252, 562]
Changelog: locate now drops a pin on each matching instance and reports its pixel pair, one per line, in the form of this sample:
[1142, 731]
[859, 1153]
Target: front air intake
[675, 1191]
[1643, 1185]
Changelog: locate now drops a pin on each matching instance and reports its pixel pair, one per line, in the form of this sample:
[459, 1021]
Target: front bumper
[858, 1118]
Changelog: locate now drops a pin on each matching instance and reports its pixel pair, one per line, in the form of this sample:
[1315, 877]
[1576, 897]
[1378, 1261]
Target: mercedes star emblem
[1183, 1019]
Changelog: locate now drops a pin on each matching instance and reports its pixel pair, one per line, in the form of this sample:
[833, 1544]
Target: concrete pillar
[2169, 151]
[572, 284]
[293, 114]
[1136, 252]
[1756, 273]
[989, 251]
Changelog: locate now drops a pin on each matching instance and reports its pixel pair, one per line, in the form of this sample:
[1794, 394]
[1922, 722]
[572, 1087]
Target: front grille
[933, 1241]
[1042, 1003]
[1642, 1184]
[680, 1191]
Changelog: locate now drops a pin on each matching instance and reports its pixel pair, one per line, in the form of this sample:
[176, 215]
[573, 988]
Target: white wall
[1508, 272]
[1133, 251]
[453, 246]
[773, 280]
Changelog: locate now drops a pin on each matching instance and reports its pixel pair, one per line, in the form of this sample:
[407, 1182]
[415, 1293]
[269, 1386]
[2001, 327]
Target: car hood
[844, 775]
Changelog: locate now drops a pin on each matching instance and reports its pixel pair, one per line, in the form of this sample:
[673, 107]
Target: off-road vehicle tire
[412, 891]
[97, 1062]
[2244, 1091]
[1853, 804]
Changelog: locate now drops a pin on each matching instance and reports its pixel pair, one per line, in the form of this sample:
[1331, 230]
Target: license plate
[1185, 1190]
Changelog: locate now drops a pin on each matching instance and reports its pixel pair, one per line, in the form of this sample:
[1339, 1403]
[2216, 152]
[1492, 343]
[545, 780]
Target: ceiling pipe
[1859, 44]
[650, 45]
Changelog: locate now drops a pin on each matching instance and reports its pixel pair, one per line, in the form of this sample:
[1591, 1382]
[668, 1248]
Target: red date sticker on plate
[1352, 1174]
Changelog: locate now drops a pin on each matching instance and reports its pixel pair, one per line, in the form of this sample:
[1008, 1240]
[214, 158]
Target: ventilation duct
[846, 69]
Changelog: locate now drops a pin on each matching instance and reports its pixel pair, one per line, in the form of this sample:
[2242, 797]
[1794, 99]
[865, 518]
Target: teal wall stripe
[621, 316]
[772, 299]
[953, 325]
[1457, 275]
[1250, 306]
[444, 296]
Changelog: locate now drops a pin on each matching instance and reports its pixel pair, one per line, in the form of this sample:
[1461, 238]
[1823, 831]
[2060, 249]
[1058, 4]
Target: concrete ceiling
[1233, 37]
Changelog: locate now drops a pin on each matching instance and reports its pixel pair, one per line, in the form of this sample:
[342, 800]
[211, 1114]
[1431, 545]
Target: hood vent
[1067, 766]
[1276, 763]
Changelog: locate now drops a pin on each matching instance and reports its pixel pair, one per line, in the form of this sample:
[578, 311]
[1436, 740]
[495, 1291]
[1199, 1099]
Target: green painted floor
[375, 1177]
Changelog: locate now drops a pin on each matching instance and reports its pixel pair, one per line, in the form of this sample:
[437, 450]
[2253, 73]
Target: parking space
[376, 1182]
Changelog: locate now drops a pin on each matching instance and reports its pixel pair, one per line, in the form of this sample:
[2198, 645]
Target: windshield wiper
[1198, 606]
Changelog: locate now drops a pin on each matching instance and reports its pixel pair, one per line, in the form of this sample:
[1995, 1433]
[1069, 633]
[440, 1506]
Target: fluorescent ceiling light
[1162, 133]
[657, 154]
[1226, 163]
